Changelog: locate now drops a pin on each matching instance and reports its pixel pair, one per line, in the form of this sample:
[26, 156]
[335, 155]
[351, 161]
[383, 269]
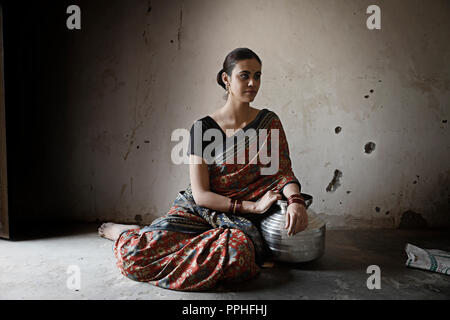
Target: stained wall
[365, 111]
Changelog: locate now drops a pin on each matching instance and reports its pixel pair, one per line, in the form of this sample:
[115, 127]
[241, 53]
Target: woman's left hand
[296, 218]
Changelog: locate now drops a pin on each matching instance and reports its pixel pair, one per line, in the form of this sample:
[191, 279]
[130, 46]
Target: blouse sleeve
[197, 139]
[285, 175]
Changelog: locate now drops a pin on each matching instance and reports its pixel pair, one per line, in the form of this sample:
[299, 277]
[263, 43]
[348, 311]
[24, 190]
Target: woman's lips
[253, 92]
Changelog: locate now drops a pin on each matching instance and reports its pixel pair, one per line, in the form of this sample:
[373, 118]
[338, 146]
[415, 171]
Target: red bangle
[231, 206]
[296, 201]
[235, 206]
[238, 206]
[296, 198]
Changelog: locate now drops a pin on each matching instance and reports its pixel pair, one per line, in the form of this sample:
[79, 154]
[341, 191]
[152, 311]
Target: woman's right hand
[266, 201]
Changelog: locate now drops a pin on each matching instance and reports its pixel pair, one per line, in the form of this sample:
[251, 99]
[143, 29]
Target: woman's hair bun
[219, 79]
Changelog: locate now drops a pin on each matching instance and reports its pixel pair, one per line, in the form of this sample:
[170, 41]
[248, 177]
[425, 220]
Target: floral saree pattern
[193, 248]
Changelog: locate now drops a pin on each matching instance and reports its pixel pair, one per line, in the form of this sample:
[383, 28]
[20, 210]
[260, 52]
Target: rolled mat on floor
[428, 259]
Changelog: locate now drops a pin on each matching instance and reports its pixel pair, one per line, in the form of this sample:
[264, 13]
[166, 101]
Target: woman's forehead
[251, 65]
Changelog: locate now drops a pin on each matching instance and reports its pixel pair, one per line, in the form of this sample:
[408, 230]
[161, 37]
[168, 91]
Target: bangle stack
[296, 198]
[235, 206]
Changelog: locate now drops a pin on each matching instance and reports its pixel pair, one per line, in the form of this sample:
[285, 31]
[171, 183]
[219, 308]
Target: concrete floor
[36, 268]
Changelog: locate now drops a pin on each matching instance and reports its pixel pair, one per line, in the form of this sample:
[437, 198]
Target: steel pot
[304, 246]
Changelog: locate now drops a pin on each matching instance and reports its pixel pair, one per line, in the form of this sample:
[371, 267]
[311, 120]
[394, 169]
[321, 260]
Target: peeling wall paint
[335, 182]
[141, 69]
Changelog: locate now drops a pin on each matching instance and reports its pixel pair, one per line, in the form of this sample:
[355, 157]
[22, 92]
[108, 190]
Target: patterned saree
[193, 248]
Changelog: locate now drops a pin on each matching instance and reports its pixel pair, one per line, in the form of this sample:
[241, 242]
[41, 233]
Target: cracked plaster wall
[365, 112]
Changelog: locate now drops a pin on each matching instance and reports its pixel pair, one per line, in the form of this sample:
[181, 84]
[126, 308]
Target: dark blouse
[208, 122]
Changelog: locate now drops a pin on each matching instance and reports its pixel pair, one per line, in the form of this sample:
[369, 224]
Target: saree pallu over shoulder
[249, 180]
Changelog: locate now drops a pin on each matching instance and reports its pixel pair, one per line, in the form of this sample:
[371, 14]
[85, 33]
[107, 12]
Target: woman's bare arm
[203, 196]
[290, 189]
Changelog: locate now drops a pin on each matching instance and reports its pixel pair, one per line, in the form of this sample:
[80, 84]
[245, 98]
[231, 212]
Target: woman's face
[245, 80]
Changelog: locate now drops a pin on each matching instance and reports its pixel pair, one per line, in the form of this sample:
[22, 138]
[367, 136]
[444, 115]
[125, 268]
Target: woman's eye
[245, 76]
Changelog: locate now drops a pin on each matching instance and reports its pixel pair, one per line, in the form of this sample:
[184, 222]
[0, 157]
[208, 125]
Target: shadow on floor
[53, 229]
[267, 279]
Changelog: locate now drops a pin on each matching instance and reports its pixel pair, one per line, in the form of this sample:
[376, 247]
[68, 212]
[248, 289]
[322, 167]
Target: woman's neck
[236, 113]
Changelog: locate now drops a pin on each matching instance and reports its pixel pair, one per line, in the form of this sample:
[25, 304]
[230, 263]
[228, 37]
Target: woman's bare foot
[112, 231]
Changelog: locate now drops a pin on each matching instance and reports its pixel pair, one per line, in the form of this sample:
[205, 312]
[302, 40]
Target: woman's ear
[225, 78]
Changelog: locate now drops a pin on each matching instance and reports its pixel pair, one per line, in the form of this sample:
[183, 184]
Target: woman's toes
[104, 227]
[112, 231]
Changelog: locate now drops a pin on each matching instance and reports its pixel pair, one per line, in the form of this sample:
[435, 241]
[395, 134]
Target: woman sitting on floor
[210, 233]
